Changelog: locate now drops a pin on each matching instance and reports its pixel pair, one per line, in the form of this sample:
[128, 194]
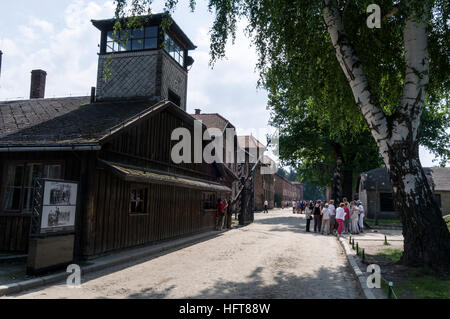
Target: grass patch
[425, 286]
[392, 254]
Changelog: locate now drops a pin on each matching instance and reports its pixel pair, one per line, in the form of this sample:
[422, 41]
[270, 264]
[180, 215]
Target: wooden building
[117, 145]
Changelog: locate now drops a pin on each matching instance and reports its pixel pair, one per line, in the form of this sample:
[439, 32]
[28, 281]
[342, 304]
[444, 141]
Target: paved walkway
[272, 258]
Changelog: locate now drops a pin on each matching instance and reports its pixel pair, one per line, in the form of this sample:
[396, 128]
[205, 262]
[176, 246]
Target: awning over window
[141, 175]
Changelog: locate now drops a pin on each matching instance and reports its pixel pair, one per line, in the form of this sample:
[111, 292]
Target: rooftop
[64, 121]
[378, 178]
[249, 142]
[213, 120]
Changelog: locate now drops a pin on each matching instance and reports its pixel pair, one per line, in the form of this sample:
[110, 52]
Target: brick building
[264, 184]
[215, 120]
[298, 191]
[284, 189]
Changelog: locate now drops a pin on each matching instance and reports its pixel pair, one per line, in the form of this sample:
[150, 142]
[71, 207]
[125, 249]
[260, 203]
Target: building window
[20, 181]
[132, 40]
[174, 50]
[174, 98]
[209, 201]
[138, 200]
[386, 202]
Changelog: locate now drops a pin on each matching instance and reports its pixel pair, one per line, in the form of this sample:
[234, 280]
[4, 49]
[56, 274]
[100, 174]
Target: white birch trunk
[427, 240]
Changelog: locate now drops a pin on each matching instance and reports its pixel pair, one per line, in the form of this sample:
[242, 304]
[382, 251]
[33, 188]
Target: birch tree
[393, 74]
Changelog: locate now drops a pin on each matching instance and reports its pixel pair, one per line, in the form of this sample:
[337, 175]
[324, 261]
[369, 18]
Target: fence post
[357, 249]
[363, 255]
[385, 240]
[390, 289]
[350, 240]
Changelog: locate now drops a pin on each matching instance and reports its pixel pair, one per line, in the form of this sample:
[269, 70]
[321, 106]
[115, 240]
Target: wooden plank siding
[15, 227]
[106, 224]
[171, 212]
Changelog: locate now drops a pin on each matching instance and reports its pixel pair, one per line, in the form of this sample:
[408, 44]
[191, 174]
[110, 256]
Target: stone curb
[362, 279]
[139, 253]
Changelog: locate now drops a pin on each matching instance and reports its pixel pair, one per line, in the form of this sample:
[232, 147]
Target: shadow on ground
[324, 284]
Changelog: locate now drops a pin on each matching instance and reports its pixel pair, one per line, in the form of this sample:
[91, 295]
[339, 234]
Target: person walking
[340, 217]
[332, 209]
[229, 213]
[266, 207]
[347, 218]
[308, 212]
[294, 207]
[220, 214]
[354, 218]
[316, 213]
[302, 207]
[361, 217]
[325, 220]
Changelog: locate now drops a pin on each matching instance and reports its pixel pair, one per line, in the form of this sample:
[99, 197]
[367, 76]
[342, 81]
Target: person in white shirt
[293, 207]
[361, 217]
[340, 217]
[354, 218]
[266, 206]
[332, 209]
[325, 219]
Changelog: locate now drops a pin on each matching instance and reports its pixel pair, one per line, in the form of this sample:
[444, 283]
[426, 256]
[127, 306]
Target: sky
[58, 37]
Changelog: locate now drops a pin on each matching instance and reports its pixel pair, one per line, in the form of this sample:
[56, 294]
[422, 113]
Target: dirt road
[272, 258]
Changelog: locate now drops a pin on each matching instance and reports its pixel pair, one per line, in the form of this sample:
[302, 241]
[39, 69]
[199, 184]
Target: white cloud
[67, 52]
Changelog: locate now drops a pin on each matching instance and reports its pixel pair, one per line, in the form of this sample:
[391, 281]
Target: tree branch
[351, 65]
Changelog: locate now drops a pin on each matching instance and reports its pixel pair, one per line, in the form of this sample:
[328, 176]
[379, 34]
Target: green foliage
[312, 192]
[447, 221]
[310, 99]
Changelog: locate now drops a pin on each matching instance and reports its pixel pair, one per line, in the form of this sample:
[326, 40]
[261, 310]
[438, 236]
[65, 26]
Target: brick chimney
[38, 78]
[198, 111]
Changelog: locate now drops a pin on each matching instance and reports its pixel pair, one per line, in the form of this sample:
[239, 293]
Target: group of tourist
[224, 214]
[347, 217]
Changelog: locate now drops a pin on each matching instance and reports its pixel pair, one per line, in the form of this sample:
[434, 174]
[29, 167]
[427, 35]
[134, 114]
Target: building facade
[375, 191]
[117, 145]
[263, 183]
[284, 189]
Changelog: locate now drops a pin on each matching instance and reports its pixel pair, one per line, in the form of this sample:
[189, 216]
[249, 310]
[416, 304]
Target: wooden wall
[148, 144]
[171, 212]
[15, 227]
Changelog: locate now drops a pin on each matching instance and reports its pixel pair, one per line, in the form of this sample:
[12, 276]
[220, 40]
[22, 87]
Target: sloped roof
[63, 121]
[378, 178]
[249, 142]
[213, 120]
[138, 174]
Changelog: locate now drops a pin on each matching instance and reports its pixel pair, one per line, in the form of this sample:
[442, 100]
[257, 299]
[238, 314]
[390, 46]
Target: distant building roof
[249, 142]
[213, 120]
[378, 179]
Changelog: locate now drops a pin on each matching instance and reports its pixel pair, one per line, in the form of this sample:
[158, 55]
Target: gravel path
[272, 258]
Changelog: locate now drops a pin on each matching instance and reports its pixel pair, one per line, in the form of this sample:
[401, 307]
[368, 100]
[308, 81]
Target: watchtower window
[175, 50]
[132, 40]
